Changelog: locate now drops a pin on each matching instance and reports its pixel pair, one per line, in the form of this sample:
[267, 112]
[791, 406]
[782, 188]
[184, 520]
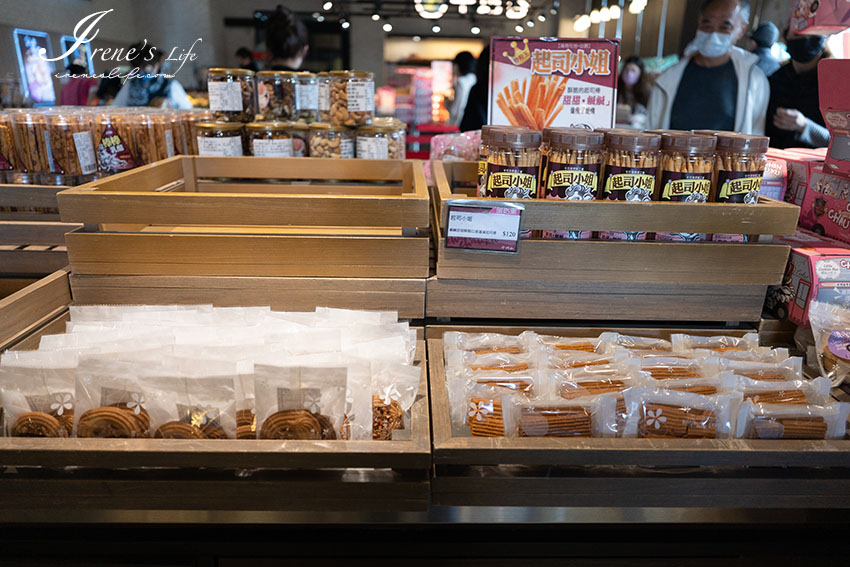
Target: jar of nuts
[300, 133]
[330, 141]
[113, 138]
[631, 164]
[8, 157]
[268, 139]
[72, 158]
[306, 97]
[398, 135]
[352, 98]
[572, 171]
[324, 87]
[231, 93]
[221, 139]
[30, 130]
[687, 163]
[276, 95]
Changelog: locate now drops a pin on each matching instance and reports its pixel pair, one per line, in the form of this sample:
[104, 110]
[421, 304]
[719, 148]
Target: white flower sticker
[136, 403]
[62, 403]
[480, 410]
[311, 401]
[655, 418]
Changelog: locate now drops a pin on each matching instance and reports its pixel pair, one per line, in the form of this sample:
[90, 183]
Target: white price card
[483, 227]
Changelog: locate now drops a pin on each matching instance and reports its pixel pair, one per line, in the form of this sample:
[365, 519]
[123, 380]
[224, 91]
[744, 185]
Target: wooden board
[8, 286]
[26, 233]
[459, 298]
[32, 202]
[29, 309]
[288, 294]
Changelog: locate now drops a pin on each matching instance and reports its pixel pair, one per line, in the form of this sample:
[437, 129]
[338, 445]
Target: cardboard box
[539, 82]
[775, 180]
[820, 17]
[818, 269]
[834, 83]
[798, 169]
[826, 206]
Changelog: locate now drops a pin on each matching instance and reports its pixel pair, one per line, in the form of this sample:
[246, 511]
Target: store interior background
[225, 25]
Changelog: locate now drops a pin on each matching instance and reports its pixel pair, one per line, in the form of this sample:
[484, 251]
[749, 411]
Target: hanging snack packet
[788, 421]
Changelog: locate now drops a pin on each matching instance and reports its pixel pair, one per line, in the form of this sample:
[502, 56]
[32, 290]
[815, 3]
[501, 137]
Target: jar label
[373, 148]
[738, 187]
[508, 182]
[113, 154]
[324, 96]
[685, 187]
[220, 147]
[346, 148]
[571, 182]
[85, 152]
[839, 344]
[629, 183]
[306, 97]
[225, 95]
[361, 97]
[169, 142]
[272, 148]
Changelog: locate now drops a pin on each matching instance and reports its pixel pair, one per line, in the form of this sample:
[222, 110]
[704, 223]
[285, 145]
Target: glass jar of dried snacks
[268, 139]
[631, 164]
[300, 133]
[323, 81]
[513, 164]
[221, 139]
[231, 94]
[482, 155]
[30, 129]
[8, 156]
[328, 141]
[276, 95]
[398, 135]
[71, 148]
[190, 118]
[572, 171]
[306, 97]
[352, 98]
[380, 142]
[113, 138]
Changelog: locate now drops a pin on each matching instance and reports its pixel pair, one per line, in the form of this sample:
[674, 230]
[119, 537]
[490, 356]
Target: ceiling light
[595, 17]
[553, 11]
[582, 24]
[321, 18]
[475, 30]
[615, 12]
[417, 39]
[604, 14]
[518, 10]
[327, 6]
[316, 15]
[529, 23]
[462, 9]
[435, 29]
[541, 17]
[519, 29]
[345, 25]
[388, 27]
[376, 17]
[431, 9]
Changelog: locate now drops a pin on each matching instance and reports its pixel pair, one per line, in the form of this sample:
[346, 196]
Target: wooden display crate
[172, 474]
[344, 233]
[611, 280]
[20, 202]
[734, 473]
[29, 248]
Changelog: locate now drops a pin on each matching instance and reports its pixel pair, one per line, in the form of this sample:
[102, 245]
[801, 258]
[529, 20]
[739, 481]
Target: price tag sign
[487, 228]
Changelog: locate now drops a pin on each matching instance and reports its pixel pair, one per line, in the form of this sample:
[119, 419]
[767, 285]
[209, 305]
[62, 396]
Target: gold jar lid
[229, 71]
[352, 75]
[376, 129]
[325, 127]
[298, 126]
[219, 126]
[267, 126]
[276, 74]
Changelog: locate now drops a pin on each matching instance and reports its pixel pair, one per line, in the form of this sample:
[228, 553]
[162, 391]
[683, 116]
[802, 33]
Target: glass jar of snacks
[8, 157]
[352, 98]
[398, 135]
[30, 129]
[323, 81]
[231, 93]
[113, 138]
[306, 97]
[159, 126]
[71, 148]
[513, 164]
[221, 139]
[190, 118]
[482, 155]
[572, 171]
[687, 164]
[330, 141]
[631, 164]
[276, 95]
[268, 139]
[300, 133]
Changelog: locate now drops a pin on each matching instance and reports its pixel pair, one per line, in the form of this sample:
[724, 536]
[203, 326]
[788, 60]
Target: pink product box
[820, 17]
[798, 168]
[826, 206]
[834, 84]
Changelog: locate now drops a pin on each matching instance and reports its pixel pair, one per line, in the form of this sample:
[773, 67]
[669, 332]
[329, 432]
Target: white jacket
[753, 94]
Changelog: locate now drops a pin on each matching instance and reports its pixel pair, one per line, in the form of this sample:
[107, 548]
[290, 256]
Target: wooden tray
[611, 280]
[736, 473]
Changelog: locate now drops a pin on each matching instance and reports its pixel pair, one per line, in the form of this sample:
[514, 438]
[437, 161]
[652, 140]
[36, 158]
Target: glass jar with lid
[276, 95]
[72, 157]
[378, 142]
[268, 139]
[329, 141]
[114, 135]
[323, 81]
[231, 94]
[8, 155]
[300, 133]
[220, 139]
[352, 98]
[306, 97]
[398, 135]
[29, 127]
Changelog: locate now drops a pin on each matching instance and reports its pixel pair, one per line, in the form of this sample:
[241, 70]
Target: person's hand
[790, 119]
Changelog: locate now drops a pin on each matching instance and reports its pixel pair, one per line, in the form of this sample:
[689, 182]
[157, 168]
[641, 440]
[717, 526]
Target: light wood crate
[733, 473]
[610, 280]
[20, 202]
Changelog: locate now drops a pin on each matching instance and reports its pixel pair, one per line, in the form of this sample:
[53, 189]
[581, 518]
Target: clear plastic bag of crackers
[602, 344]
[456, 147]
[831, 329]
[584, 417]
[718, 343]
[668, 414]
[638, 344]
[486, 343]
[790, 421]
[674, 368]
[704, 386]
[482, 409]
[788, 369]
[394, 389]
[493, 361]
[799, 392]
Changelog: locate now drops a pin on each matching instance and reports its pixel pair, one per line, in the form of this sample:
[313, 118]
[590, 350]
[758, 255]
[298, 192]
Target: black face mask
[805, 49]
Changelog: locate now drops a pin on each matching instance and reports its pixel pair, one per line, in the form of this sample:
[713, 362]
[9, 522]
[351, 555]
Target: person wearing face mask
[716, 86]
[633, 93]
[794, 117]
[761, 41]
[151, 88]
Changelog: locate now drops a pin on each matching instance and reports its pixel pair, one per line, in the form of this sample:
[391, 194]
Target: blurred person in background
[151, 88]
[286, 40]
[464, 64]
[761, 42]
[794, 117]
[78, 91]
[718, 87]
[245, 59]
[633, 93]
[475, 114]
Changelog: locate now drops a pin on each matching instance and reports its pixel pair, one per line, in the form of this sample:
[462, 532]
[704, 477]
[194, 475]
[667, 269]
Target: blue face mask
[713, 44]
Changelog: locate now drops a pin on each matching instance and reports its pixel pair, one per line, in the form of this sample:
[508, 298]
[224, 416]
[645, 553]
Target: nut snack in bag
[831, 328]
[789, 421]
[394, 388]
[655, 413]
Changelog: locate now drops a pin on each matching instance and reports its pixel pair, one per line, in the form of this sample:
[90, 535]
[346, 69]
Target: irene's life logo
[86, 30]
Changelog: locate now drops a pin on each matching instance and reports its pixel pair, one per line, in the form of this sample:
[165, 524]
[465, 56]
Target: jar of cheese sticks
[72, 157]
[738, 173]
[687, 165]
[29, 127]
[631, 164]
[513, 164]
[572, 171]
[482, 155]
[8, 156]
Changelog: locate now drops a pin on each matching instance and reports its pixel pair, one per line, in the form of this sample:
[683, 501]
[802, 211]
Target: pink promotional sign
[487, 228]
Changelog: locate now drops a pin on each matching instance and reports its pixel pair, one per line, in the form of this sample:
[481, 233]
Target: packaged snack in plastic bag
[565, 345]
[114, 312]
[759, 354]
[357, 317]
[831, 328]
[494, 361]
[306, 341]
[656, 413]
[394, 388]
[801, 392]
[87, 339]
[298, 402]
[673, 368]
[788, 369]
[702, 386]
[37, 393]
[584, 417]
[583, 360]
[485, 343]
[788, 421]
[483, 410]
[718, 343]
[632, 342]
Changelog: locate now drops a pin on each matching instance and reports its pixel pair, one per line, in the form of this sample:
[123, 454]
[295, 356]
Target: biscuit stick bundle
[622, 385]
[203, 373]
